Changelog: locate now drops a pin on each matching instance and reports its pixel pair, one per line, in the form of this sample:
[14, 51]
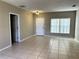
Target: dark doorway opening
[14, 28]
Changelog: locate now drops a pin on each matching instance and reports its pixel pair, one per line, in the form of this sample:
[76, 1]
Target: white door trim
[18, 26]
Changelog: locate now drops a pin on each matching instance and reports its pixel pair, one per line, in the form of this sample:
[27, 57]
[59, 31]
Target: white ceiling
[46, 5]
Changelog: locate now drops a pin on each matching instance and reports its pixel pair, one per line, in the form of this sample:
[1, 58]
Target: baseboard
[76, 40]
[27, 38]
[5, 48]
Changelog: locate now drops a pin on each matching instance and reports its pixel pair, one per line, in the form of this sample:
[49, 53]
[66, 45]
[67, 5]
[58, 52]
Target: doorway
[39, 26]
[15, 28]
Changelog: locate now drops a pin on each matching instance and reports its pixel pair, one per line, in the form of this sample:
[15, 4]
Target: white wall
[26, 22]
[77, 26]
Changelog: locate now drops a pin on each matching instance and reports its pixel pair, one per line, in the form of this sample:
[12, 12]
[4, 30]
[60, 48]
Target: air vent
[74, 5]
[22, 6]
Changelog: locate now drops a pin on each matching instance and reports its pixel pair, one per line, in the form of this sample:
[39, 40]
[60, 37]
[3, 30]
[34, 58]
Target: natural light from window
[60, 25]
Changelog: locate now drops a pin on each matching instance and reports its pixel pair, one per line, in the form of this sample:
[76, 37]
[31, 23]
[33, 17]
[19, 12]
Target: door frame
[18, 26]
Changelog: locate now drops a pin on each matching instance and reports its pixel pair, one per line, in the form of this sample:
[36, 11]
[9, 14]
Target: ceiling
[46, 5]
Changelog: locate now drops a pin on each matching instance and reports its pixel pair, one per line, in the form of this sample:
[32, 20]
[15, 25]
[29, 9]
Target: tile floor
[43, 47]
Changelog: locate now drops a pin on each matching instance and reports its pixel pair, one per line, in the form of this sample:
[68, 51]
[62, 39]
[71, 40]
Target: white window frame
[60, 26]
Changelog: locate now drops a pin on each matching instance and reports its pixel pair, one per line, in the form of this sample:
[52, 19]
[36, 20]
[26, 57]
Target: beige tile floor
[43, 47]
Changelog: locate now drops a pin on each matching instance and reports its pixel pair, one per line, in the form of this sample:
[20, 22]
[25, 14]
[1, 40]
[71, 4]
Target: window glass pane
[54, 25]
[65, 25]
[61, 25]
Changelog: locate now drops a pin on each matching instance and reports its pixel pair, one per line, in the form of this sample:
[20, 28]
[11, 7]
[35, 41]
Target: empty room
[39, 29]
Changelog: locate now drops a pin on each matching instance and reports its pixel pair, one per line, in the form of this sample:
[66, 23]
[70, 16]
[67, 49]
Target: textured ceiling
[46, 5]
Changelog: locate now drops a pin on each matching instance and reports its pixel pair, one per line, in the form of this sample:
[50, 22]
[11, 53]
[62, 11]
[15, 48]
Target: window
[55, 25]
[60, 25]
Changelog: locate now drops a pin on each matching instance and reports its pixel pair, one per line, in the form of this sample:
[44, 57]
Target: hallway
[43, 47]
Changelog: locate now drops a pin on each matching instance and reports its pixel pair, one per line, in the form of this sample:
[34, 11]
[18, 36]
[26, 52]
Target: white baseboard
[20, 41]
[5, 48]
[76, 40]
[27, 38]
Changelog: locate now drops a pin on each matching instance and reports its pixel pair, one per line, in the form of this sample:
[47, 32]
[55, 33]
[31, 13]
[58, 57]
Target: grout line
[8, 55]
[58, 48]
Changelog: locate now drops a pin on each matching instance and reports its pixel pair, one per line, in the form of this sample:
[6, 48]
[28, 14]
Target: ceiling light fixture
[37, 12]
